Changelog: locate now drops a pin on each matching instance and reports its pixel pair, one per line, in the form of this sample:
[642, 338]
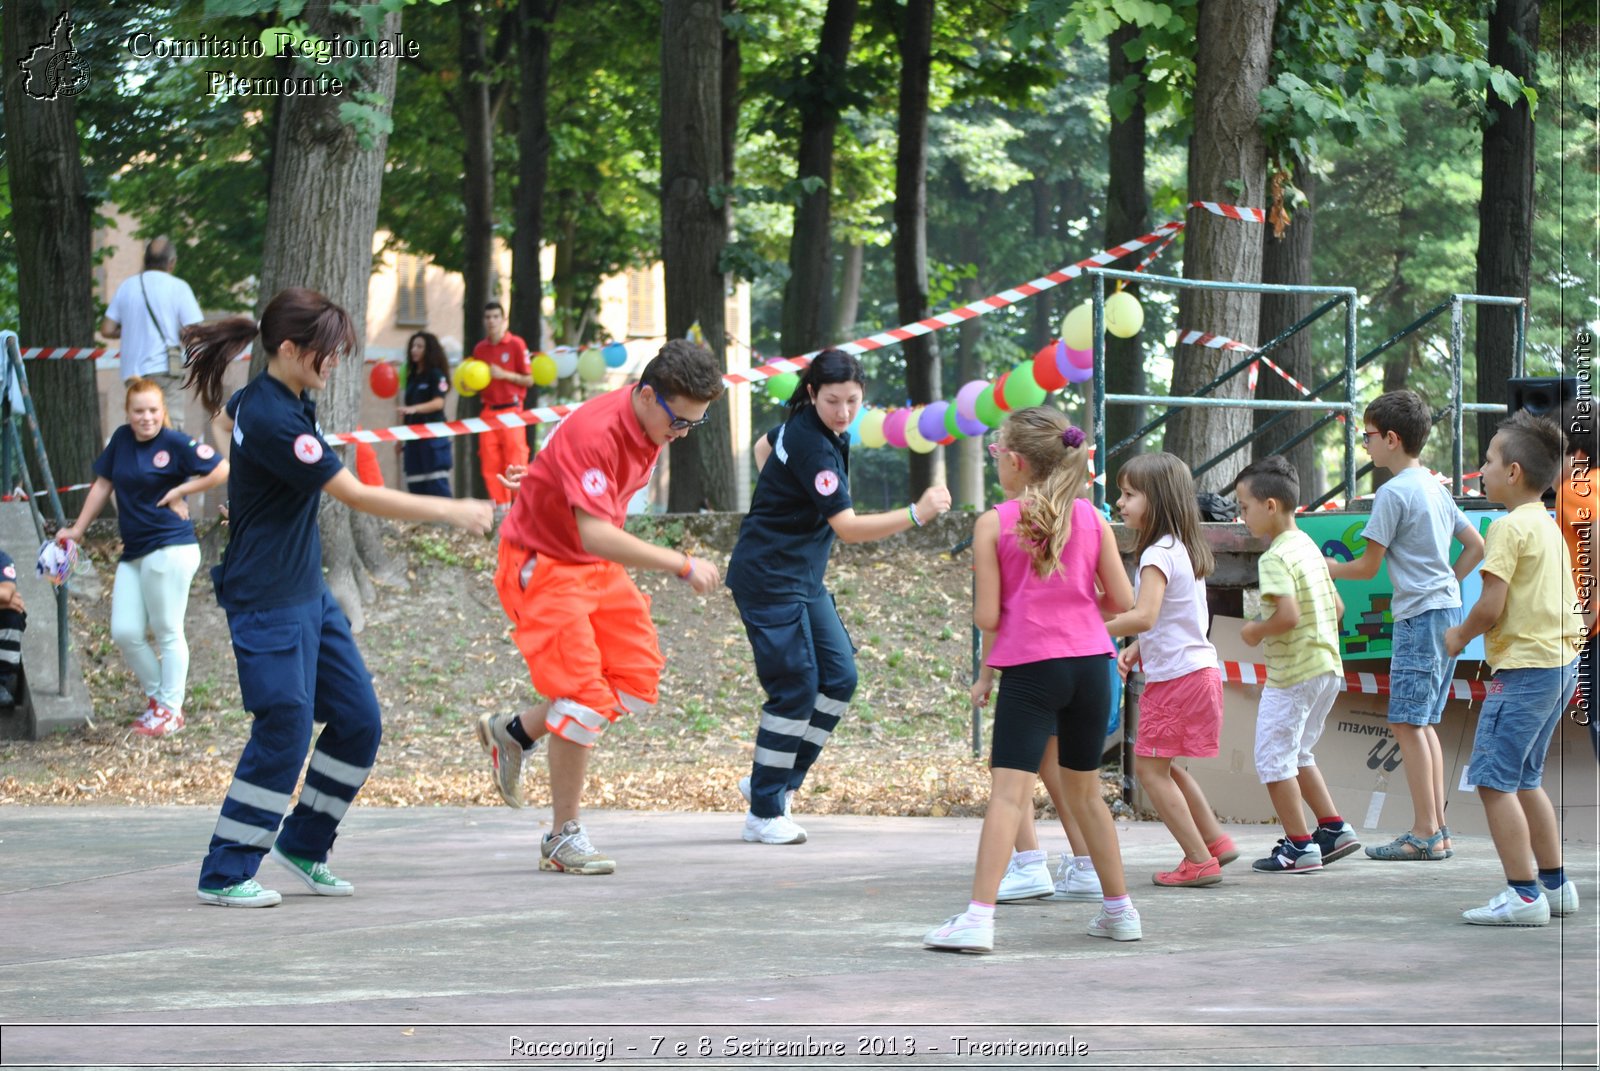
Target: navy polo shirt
[279, 465]
[141, 473]
[8, 569]
[785, 539]
[425, 386]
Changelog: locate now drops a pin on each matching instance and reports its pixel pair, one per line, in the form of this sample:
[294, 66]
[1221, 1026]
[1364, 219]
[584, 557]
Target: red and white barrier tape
[1362, 683]
[19, 495]
[1214, 342]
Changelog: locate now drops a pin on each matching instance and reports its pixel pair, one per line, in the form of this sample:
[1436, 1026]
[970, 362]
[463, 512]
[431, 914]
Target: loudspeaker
[1542, 395]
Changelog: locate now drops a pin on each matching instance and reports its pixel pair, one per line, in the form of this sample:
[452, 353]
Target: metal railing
[16, 377]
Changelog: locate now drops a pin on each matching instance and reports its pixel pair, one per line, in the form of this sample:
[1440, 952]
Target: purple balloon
[931, 422]
[970, 428]
[1075, 374]
[967, 398]
[1068, 358]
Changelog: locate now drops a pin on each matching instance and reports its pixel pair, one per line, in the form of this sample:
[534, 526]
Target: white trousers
[149, 599]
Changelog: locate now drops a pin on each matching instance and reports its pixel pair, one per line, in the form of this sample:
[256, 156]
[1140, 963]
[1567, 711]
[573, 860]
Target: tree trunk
[51, 221]
[321, 214]
[1227, 163]
[970, 458]
[915, 31]
[1287, 261]
[852, 264]
[694, 231]
[1505, 212]
[477, 268]
[537, 18]
[1127, 216]
[809, 290]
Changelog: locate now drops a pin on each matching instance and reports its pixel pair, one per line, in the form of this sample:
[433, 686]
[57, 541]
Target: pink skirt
[1181, 718]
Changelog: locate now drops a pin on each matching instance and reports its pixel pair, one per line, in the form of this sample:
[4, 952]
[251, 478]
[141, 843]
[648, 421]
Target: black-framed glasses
[676, 422]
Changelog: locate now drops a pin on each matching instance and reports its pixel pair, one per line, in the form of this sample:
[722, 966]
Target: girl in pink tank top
[1047, 569]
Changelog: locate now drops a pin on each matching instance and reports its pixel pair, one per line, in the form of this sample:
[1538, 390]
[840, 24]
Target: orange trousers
[585, 631]
[496, 450]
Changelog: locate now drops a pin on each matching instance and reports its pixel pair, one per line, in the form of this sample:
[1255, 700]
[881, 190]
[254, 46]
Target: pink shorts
[1181, 718]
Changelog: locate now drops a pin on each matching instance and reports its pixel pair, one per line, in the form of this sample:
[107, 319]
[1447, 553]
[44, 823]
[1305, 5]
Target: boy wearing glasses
[1413, 522]
[576, 616]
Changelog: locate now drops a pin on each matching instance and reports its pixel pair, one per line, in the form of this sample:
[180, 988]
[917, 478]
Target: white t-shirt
[1176, 644]
[143, 350]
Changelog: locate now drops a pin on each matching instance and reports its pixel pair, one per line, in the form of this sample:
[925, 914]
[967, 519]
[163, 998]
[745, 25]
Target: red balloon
[1045, 372]
[383, 380]
[947, 440]
[1000, 393]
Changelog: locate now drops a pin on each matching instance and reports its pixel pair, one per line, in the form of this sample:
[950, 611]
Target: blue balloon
[853, 432]
[615, 354]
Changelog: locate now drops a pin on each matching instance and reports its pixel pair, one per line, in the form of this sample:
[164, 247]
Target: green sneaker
[248, 893]
[316, 876]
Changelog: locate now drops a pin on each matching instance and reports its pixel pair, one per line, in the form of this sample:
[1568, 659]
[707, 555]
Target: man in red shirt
[507, 358]
[576, 616]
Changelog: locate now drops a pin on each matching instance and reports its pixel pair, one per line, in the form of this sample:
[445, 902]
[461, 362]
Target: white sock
[976, 910]
[1032, 858]
[1116, 905]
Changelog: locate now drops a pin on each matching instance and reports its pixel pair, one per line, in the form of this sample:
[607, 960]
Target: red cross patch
[204, 452]
[10, 572]
[594, 483]
[827, 482]
[161, 459]
[308, 449]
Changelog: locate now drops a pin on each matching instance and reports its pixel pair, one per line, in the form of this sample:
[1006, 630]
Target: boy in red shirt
[577, 618]
[507, 358]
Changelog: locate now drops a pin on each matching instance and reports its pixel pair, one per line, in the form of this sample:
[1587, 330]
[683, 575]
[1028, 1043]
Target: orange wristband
[688, 567]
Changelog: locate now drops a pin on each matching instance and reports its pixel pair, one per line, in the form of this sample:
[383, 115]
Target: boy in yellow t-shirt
[1530, 639]
[1301, 631]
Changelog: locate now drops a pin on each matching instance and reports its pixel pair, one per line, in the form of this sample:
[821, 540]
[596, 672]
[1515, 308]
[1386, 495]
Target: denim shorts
[1519, 717]
[1420, 669]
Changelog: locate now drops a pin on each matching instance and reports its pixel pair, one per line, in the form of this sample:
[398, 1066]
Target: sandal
[1436, 842]
[1407, 847]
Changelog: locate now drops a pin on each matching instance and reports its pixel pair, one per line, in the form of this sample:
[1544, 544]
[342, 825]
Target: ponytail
[304, 317]
[1058, 456]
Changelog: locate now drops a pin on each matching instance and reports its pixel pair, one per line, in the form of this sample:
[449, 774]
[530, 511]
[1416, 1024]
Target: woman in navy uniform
[426, 461]
[298, 662]
[803, 656]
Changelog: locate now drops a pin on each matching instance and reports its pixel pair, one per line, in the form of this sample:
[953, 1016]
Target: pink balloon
[894, 428]
[967, 398]
[931, 422]
[1067, 357]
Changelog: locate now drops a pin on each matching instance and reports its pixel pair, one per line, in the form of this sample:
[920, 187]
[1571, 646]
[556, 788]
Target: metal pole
[1457, 345]
[1350, 396]
[1100, 459]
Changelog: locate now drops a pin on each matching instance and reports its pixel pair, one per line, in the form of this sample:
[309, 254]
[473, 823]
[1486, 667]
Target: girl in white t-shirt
[1180, 710]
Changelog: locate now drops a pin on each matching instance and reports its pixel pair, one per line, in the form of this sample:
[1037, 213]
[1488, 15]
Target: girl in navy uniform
[426, 461]
[152, 468]
[803, 656]
[298, 662]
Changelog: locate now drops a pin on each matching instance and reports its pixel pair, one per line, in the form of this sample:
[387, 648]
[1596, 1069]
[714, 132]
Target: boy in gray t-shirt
[1414, 521]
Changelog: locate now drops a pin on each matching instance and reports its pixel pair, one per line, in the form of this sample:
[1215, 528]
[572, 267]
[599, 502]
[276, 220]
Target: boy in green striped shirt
[1301, 630]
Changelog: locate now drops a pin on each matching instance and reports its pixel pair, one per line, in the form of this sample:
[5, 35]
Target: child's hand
[471, 515]
[1454, 642]
[703, 576]
[1251, 633]
[1127, 658]
[512, 477]
[175, 502]
[934, 501]
[981, 689]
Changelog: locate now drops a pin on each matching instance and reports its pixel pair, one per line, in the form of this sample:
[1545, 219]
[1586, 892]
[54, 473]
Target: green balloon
[1022, 390]
[950, 425]
[782, 386]
[985, 409]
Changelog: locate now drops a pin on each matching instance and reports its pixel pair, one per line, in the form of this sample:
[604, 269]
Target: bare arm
[1364, 567]
[432, 405]
[1285, 616]
[496, 372]
[195, 486]
[762, 451]
[853, 527]
[1471, 552]
[1481, 618]
[93, 503]
[1142, 618]
[468, 514]
[1116, 590]
[109, 328]
[986, 572]
[605, 540]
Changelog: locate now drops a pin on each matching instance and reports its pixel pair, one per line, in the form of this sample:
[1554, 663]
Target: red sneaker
[164, 721]
[1190, 875]
[1224, 849]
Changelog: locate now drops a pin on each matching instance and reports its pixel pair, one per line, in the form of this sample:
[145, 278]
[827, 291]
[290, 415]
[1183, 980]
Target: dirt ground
[440, 654]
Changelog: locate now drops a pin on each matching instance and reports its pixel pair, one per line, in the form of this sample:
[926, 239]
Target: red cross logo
[594, 483]
[308, 449]
[205, 452]
[161, 459]
[827, 482]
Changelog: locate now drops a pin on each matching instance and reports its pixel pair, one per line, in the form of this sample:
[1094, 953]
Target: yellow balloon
[1124, 315]
[474, 374]
[1077, 330]
[914, 437]
[872, 429]
[461, 382]
[543, 370]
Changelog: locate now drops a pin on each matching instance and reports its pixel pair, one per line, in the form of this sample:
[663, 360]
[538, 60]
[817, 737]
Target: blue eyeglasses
[676, 422]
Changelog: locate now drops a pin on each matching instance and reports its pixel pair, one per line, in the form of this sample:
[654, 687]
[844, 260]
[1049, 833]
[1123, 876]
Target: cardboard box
[1360, 759]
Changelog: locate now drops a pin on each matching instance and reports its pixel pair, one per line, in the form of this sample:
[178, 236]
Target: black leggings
[1069, 698]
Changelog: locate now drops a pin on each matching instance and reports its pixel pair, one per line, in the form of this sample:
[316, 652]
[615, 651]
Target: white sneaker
[1563, 901]
[962, 933]
[744, 790]
[1025, 881]
[779, 830]
[1122, 927]
[1074, 882]
[1510, 909]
